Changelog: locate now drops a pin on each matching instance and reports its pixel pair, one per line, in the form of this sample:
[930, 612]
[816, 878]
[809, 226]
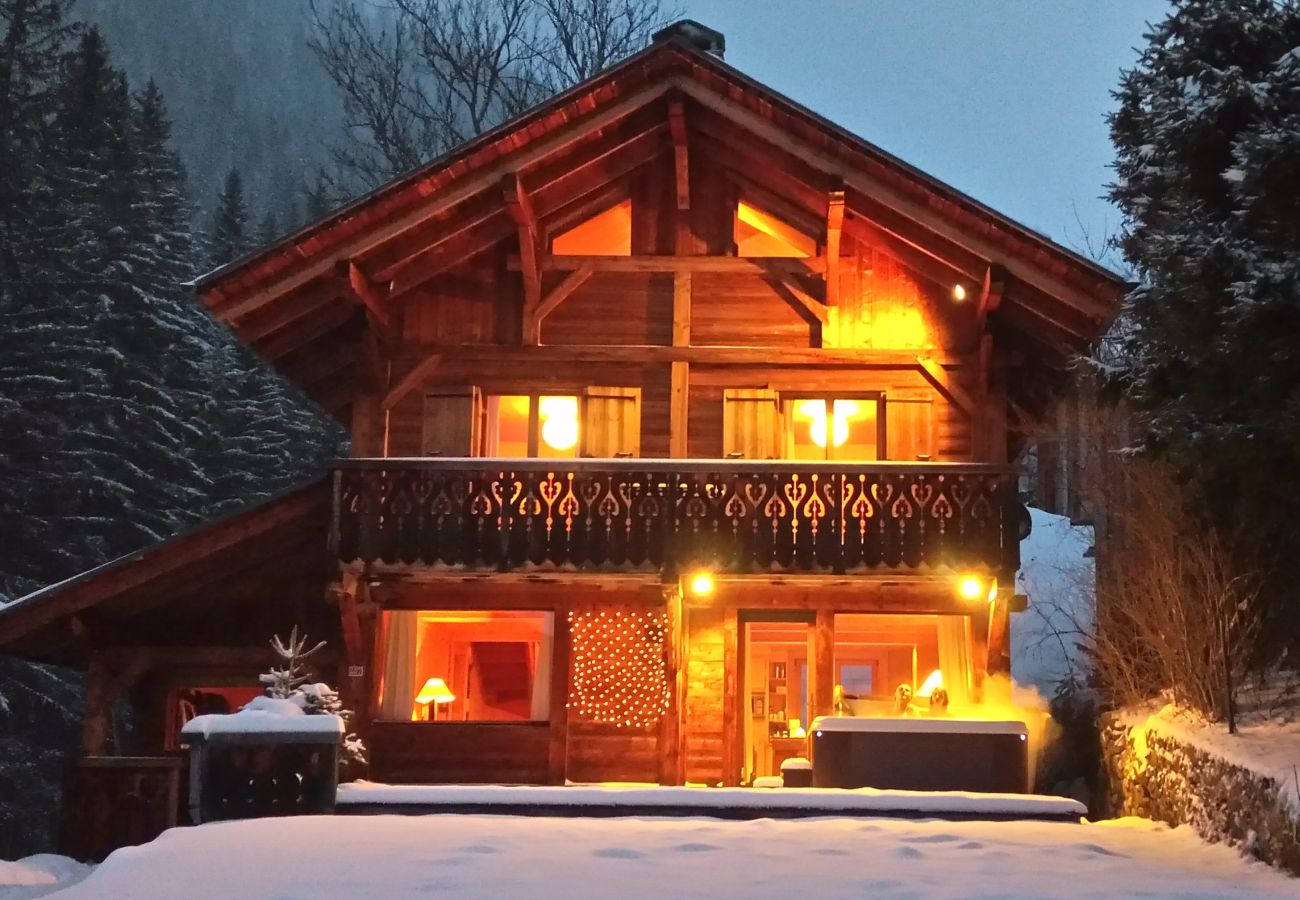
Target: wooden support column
[557, 757]
[999, 653]
[680, 371]
[834, 229]
[681, 160]
[979, 638]
[369, 418]
[671, 749]
[823, 669]
[733, 749]
[991, 291]
[106, 680]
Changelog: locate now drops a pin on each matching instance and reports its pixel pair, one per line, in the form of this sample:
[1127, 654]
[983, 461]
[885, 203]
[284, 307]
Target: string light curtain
[618, 667]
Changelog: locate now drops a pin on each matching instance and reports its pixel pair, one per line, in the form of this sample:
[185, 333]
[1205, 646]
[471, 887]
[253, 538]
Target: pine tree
[229, 238]
[1207, 135]
[268, 232]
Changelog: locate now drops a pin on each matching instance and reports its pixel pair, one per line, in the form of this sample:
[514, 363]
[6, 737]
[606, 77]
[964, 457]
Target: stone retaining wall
[1152, 775]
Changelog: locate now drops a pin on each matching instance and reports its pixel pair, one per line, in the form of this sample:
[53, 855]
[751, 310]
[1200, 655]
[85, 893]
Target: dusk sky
[1003, 99]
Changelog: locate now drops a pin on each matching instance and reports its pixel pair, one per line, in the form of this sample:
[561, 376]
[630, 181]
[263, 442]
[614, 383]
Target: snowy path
[489, 857]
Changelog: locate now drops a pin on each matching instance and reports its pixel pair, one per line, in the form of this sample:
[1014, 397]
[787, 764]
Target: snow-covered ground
[1059, 579]
[491, 857]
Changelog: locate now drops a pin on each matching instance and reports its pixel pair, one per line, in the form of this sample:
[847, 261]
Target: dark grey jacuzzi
[919, 754]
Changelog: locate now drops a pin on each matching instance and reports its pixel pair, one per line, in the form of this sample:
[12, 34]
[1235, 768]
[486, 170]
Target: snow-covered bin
[920, 754]
[797, 772]
[268, 759]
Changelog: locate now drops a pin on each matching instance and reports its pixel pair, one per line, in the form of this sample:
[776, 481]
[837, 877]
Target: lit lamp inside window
[838, 429]
[559, 418]
[435, 692]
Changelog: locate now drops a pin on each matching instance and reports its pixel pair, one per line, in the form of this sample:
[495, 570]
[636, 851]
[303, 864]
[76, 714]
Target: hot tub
[920, 754]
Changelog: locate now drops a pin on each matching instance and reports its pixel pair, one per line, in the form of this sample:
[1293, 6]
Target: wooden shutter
[909, 426]
[611, 422]
[453, 422]
[750, 424]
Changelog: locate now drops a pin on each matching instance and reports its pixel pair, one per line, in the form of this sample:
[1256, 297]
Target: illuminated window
[761, 234]
[608, 233]
[533, 425]
[467, 666]
[833, 428]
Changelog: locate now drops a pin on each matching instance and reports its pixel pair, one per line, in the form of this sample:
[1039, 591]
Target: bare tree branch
[420, 77]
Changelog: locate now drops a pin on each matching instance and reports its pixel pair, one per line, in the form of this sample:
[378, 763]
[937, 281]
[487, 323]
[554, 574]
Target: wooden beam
[520, 208]
[533, 318]
[681, 309]
[759, 265]
[834, 227]
[985, 364]
[822, 702]
[991, 291]
[678, 408]
[427, 264]
[946, 384]
[413, 379]
[677, 127]
[790, 290]
[941, 273]
[915, 210]
[441, 201]
[865, 358]
[368, 295]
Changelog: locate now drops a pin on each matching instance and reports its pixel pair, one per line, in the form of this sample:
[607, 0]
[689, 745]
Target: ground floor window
[877, 656]
[466, 665]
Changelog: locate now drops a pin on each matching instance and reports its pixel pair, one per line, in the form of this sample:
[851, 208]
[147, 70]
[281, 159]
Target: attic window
[758, 233]
[607, 233]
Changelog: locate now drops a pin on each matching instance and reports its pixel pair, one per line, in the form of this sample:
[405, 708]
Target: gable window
[844, 428]
[607, 233]
[759, 233]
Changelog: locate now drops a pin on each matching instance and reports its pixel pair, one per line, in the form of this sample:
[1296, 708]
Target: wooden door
[611, 422]
[452, 424]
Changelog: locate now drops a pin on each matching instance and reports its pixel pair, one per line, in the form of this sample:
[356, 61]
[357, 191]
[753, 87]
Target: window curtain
[401, 652]
[954, 658]
[541, 704]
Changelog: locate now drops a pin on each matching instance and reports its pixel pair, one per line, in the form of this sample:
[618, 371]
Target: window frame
[786, 400]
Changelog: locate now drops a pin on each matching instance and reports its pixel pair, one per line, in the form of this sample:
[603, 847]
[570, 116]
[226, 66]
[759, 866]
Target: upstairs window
[607, 233]
[758, 233]
[843, 428]
[546, 426]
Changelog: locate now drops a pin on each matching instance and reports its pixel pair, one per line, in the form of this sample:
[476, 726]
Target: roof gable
[568, 156]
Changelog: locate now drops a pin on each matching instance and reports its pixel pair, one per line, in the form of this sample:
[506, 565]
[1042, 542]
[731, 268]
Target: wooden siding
[599, 752]
[463, 752]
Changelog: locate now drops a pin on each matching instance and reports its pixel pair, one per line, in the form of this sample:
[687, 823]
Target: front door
[776, 672]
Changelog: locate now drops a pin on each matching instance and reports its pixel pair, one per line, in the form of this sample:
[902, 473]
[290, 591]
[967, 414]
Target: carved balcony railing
[629, 515]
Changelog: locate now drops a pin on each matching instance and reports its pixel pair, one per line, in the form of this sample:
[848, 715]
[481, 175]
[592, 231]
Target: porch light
[701, 584]
[958, 292]
[436, 692]
[970, 587]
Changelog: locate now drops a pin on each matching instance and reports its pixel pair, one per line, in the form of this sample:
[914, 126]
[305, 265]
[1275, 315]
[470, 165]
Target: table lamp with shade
[435, 692]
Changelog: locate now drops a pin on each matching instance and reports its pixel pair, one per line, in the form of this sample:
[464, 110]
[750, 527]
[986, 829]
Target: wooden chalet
[677, 412]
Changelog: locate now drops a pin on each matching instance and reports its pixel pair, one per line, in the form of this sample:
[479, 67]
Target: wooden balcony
[672, 516]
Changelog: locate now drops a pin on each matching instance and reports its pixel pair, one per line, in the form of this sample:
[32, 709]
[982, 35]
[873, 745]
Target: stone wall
[1152, 775]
